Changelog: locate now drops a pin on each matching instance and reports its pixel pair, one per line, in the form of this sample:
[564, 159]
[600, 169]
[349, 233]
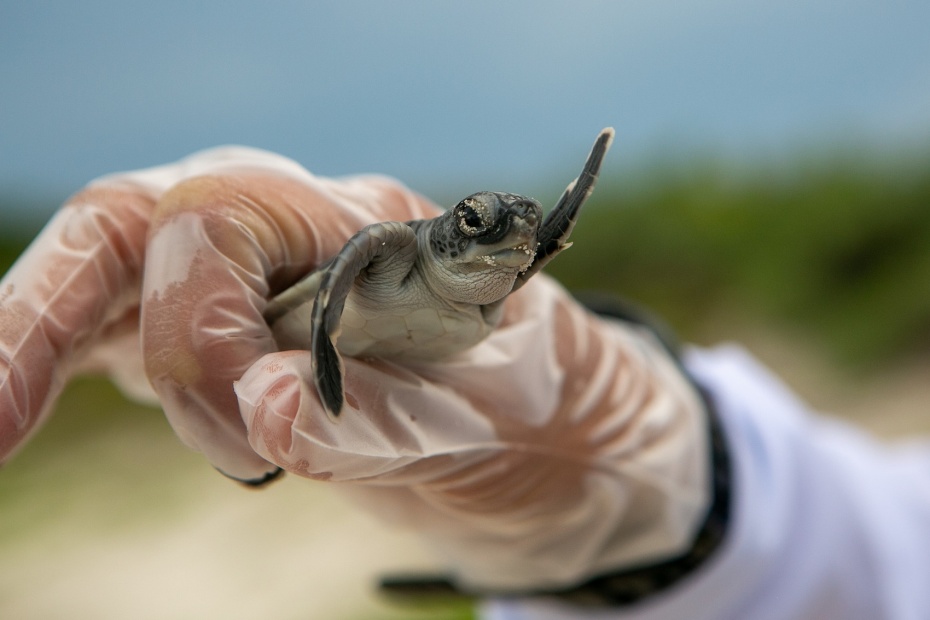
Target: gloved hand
[560, 447]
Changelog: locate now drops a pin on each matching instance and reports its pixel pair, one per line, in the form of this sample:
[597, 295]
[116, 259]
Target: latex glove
[159, 278]
[560, 447]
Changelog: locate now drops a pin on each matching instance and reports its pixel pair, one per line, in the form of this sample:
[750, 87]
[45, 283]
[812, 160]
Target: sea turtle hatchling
[425, 289]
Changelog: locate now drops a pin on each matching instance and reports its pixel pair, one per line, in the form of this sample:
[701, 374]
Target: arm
[826, 523]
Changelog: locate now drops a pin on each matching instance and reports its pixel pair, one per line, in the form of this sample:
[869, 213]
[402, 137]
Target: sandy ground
[293, 552]
[228, 556]
[126, 523]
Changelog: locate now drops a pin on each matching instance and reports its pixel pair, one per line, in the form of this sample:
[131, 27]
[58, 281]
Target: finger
[551, 385]
[70, 302]
[470, 406]
[555, 418]
[79, 276]
[220, 245]
[381, 433]
[405, 424]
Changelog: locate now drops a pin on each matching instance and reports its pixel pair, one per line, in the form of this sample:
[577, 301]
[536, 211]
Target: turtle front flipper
[384, 254]
[555, 230]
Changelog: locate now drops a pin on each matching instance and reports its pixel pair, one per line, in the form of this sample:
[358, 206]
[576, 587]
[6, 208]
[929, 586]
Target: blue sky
[450, 97]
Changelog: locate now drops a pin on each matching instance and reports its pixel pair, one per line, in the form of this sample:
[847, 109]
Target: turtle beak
[523, 230]
[518, 222]
[526, 213]
[517, 248]
[525, 218]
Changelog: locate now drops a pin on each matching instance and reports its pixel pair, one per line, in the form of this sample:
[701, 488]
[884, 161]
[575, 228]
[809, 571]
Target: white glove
[561, 447]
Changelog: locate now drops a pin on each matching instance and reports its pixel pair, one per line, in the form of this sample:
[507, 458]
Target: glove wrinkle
[79, 276]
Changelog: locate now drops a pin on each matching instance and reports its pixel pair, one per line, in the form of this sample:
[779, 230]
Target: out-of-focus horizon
[445, 96]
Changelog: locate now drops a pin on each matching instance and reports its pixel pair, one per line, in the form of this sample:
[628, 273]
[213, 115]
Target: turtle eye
[469, 220]
[471, 217]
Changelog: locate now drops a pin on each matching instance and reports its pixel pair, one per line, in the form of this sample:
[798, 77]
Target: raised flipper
[386, 252]
[558, 225]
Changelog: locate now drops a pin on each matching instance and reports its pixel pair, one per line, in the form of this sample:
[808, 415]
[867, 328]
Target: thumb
[396, 427]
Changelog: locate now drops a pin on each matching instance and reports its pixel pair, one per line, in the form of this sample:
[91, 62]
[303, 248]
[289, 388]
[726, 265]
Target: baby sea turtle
[425, 289]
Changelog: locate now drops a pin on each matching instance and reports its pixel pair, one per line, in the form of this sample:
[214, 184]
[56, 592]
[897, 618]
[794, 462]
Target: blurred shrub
[11, 245]
[18, 223]
[840, 250]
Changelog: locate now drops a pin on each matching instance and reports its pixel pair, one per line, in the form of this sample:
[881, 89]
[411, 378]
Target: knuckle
[204, 195]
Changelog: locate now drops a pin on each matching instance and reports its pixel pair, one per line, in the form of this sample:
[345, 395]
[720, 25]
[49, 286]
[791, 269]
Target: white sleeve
[826, 522]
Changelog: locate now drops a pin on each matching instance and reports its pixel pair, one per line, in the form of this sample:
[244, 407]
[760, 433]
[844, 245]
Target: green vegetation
[840, 251]
[10, 247]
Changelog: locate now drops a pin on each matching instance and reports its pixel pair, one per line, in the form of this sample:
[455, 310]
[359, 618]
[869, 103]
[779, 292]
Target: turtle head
[478, 248]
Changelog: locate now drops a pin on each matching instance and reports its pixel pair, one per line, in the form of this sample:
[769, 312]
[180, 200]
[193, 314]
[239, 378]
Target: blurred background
[770, 184]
